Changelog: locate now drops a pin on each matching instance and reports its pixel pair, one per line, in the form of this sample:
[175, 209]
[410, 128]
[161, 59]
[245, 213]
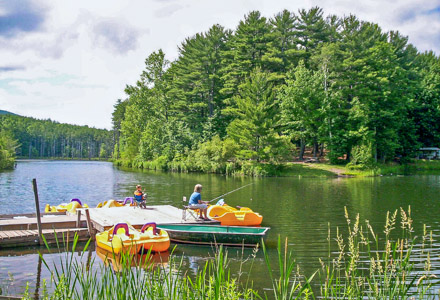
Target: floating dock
[104, 218]
[22, 230]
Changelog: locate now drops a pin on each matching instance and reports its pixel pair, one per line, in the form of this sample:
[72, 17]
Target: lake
[298, 208]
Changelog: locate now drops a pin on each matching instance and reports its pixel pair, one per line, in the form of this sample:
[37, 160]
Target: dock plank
[25, 237]
[47, 222]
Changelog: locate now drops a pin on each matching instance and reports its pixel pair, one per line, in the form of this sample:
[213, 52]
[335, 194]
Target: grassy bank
[247, 168]
[367, 265]
[411, 168]
[288, 169]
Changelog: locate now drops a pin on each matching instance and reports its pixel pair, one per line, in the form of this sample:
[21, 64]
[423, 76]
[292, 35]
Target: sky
[69, 61]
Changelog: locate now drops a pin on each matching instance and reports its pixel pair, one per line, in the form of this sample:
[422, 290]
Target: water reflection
[146, 261]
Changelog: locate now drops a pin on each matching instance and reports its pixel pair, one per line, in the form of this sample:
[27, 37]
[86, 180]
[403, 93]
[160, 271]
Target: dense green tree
[196, 82]
[426, 111]
[303, 106]
[312, 30]
[282, 53]
[256, 117]
[7, 150]
[245, 51]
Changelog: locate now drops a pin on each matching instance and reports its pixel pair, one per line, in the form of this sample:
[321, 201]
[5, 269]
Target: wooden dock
[21, 230]
[47, 222]
[104, 218]
[17, 238]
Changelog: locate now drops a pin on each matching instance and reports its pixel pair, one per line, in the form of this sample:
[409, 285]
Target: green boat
[211, 234]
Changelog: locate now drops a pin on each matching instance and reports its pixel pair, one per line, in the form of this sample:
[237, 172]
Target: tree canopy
[274, 86]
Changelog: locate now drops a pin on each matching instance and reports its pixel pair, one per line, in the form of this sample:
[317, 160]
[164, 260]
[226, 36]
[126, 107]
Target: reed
[138, 277]
[370, 265]
[288, 284]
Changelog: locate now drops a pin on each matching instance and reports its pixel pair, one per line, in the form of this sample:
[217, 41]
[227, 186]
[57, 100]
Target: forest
[265, 91]
[32, 138]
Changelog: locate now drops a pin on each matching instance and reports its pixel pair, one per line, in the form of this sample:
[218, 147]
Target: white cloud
[167, 11]
[76, 65]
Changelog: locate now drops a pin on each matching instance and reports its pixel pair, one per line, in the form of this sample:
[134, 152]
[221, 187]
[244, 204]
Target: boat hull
[213, 234]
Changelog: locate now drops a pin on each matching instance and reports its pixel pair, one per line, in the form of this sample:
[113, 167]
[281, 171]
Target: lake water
[298, 208]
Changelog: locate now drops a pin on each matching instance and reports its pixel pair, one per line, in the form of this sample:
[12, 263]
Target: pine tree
[245, 51]
[256, 117]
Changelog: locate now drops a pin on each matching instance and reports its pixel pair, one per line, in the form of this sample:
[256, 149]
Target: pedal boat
[125, 238]
[230, 216]
[116, 203]
[66, 207]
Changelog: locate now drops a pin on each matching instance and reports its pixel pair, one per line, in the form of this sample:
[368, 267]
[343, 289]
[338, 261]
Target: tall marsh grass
[368, 264]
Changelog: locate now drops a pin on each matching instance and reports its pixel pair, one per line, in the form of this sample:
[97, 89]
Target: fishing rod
[231, 192]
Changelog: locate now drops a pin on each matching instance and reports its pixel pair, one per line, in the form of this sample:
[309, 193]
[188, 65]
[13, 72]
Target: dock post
[37, 208]
[78, 219]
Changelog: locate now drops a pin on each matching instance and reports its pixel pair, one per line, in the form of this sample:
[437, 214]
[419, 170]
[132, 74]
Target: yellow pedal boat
[63, 207]
[115, 203]
[125, 238]
[230, 216]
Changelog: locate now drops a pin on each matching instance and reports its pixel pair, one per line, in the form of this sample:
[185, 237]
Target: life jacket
[138, 196]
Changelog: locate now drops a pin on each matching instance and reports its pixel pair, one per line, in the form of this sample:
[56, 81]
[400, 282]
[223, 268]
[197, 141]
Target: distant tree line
[265, 91]
[48, 139]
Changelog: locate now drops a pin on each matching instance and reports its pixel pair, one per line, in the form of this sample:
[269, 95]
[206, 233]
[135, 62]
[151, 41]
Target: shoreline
[288, 169]
[306, 169]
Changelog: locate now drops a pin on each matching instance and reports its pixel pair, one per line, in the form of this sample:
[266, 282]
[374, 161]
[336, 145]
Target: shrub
[362, 157]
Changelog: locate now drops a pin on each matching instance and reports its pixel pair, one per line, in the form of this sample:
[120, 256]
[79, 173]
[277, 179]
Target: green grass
[307, 170]
[412, 168]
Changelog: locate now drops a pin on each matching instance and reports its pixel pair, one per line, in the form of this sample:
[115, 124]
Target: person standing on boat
[195, 201]
[139, 197]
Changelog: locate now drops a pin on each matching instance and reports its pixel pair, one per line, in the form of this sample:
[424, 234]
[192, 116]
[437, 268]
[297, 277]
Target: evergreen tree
[245, 51]
[196, 82]
[282, 53]
[256, 117]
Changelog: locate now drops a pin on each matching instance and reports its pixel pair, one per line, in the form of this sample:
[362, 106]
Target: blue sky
[70, 60]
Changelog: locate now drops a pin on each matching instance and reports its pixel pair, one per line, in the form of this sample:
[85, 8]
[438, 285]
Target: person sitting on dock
[139, 196]
[195, 201]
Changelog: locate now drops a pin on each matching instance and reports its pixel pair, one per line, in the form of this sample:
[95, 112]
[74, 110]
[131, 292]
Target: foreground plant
[139, 277]
[370, 266]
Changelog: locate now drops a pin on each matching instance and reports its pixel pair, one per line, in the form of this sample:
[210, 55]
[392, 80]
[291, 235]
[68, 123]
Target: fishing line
[231, 192]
